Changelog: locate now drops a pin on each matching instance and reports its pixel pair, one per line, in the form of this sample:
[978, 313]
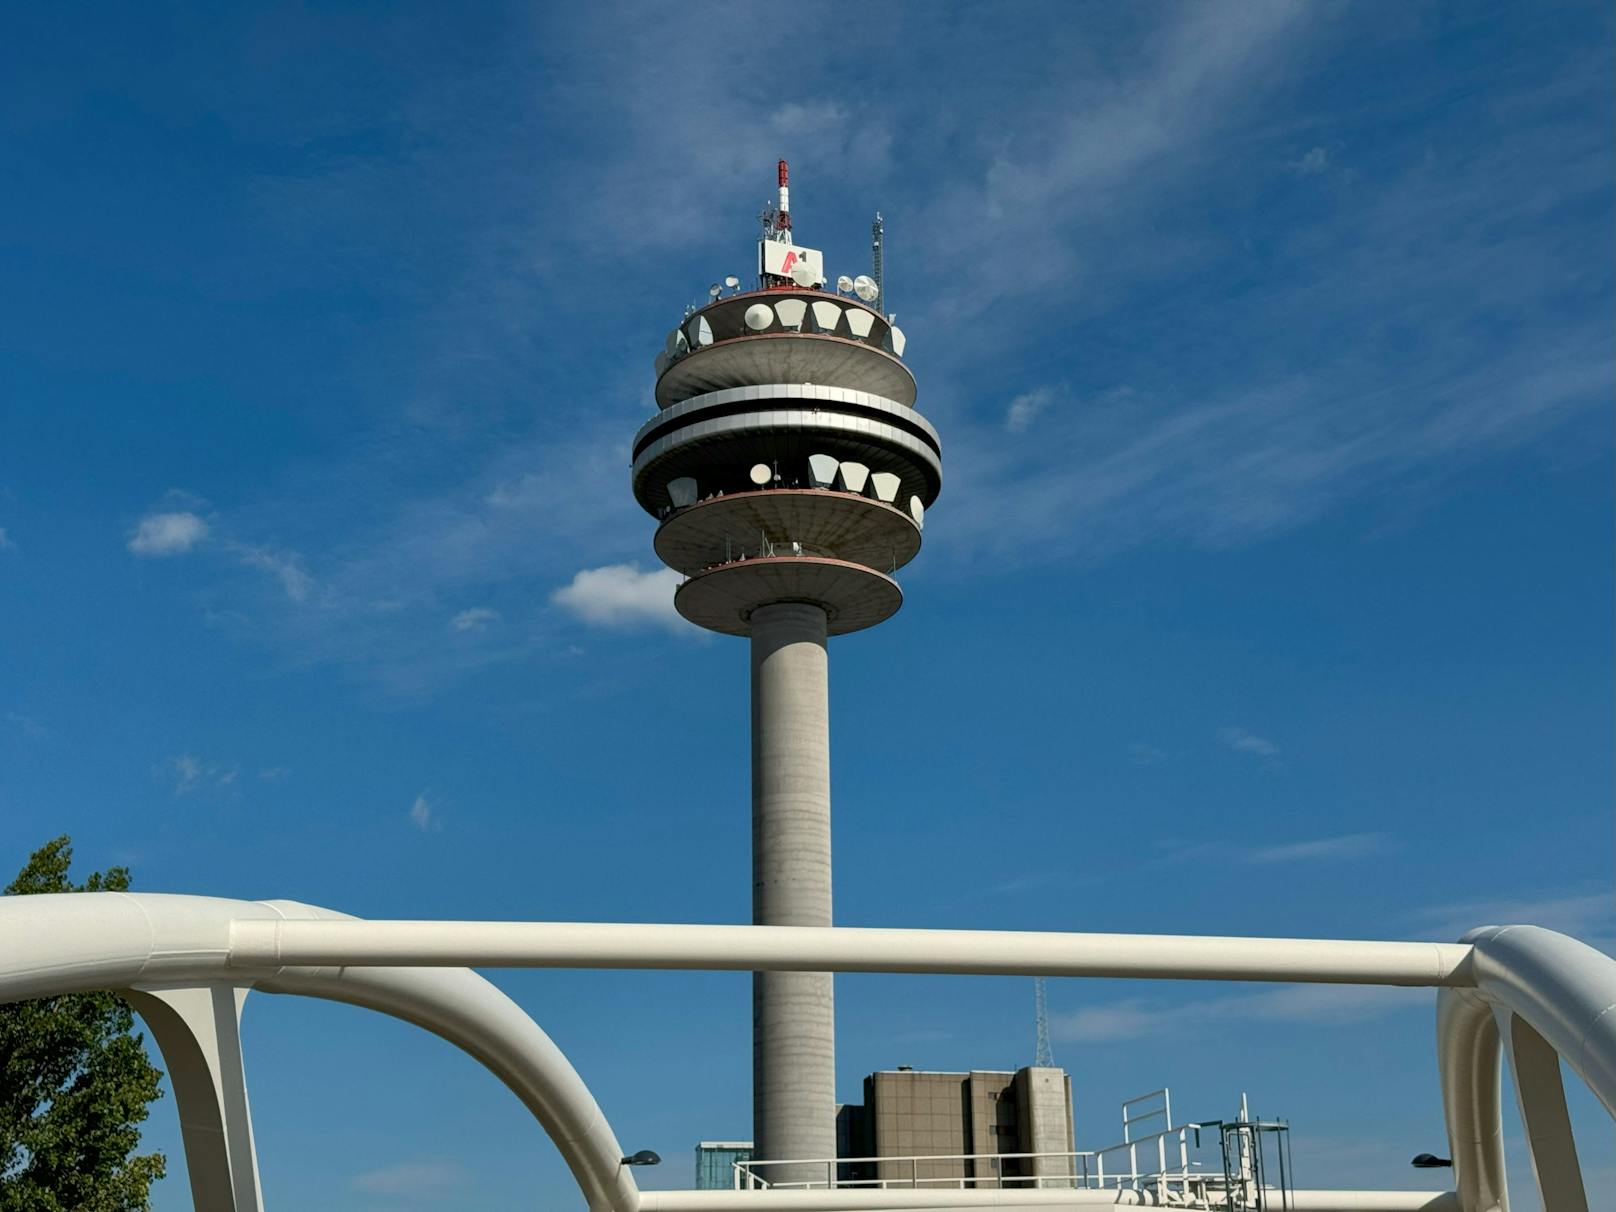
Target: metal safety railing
[1159, 1162]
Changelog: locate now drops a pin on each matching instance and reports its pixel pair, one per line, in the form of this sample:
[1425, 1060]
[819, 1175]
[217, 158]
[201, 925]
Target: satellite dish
[761, 474]
[844, 284]
[759, 316]
[732, 281]
[712, 291]
[865, 288]
[804, 274]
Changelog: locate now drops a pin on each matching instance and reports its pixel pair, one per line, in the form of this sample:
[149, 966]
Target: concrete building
[790, 475]
[967, 1121]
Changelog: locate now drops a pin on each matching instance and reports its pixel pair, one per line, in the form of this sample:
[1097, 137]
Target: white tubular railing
[257, 944]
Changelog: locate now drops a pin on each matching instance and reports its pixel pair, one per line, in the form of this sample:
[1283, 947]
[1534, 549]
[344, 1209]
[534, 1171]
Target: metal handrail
[1088, 1168]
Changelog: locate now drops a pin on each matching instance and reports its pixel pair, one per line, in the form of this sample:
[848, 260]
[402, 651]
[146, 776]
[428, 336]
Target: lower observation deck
[852, 596]
[823, 522]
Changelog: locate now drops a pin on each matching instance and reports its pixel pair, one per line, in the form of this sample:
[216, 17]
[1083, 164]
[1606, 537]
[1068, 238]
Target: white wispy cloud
[1346, 846]
[188, 773]
[378, 596]
[1219, 458]
[174, 532]
[273, 774]
[6, 543]
[620, 595]
[1213, 451]
[167, 534]
[1311, 162]
[477, 618]
[423, 813]
[1339, 848]
[28, 726]
[1110, 139]
[1589, 916]
[1029, 882]
[1242, 741]
[1139, 1018]
[417, 1179]
[1141, 754]
[284, 567]
[1024, 409]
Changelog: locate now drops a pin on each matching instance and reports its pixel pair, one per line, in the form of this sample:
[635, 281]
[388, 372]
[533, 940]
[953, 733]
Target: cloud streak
[188, 774]
[1346, 847]
[1024, 409]
[477, 618]
[1218, 404]
[1242, 741]
[412, 1180]
[1142, 1018]
[1589, 916]
[423, 813]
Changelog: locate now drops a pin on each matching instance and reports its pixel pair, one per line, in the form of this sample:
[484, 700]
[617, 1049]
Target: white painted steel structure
[187, 963]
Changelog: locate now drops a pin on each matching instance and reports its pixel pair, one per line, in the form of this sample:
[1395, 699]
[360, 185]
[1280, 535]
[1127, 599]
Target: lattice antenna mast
[878, 234]
[782, 218]
[1045, 1059]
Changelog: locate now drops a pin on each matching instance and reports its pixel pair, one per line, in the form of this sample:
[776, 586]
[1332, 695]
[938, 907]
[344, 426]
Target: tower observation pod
[790, 475]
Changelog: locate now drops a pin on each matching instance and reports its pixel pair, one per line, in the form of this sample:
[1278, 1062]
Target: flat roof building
[966, 1122]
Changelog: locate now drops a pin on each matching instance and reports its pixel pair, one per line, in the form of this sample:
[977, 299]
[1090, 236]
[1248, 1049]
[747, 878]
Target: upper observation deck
[786, 461]
[784, 335]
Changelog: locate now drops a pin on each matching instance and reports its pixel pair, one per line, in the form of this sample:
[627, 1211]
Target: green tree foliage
[74, 1083]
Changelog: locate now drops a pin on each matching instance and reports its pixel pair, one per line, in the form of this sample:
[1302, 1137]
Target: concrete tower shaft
[793, 1013]
[790, 475]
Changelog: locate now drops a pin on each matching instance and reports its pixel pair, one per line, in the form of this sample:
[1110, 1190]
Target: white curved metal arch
[1538, 997]
[170, 956]
[474, 1015]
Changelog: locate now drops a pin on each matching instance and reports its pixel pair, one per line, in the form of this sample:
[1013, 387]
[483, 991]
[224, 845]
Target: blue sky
[1269, 591]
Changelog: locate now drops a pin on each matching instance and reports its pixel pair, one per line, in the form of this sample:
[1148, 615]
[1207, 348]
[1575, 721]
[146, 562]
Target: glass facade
[715, 1163]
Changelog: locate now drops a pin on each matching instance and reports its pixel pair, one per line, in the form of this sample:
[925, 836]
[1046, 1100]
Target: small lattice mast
[1045, 1057]
[878, 239]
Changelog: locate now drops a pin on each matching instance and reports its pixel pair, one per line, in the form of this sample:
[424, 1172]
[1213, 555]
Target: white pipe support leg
[1540, 1094]
[1470, 1075]
[462, 1007]
[198, 1030]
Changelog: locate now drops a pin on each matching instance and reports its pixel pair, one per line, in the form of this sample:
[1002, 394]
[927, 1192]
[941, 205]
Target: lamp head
[1429, 1161]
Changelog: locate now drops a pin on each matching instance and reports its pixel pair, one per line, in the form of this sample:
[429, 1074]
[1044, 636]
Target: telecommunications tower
[790, 474]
